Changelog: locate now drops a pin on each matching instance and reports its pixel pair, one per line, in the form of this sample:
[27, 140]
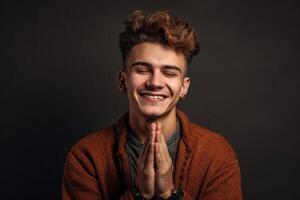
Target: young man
[153, 151]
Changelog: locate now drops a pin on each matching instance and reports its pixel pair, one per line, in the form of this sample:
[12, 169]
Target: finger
[145, 146]
[153, 128]
[158, 157]
[153, 133]
[150, 156]
[164, 148]
[158, 132]
[163, 141]
[160, 146]
[148, 148]
[152, 141]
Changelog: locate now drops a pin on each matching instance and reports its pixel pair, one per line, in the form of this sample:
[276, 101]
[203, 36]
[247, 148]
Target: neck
[140, 124]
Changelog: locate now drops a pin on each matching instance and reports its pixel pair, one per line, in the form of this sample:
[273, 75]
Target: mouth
[153, 97]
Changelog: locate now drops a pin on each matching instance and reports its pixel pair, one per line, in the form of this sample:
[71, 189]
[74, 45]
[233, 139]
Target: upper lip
[154, 94]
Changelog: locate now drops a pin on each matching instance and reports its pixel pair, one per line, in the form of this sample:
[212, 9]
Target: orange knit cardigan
[97, 167]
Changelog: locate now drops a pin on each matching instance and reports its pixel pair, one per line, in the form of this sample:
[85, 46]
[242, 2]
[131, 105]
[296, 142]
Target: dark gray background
[59, 64]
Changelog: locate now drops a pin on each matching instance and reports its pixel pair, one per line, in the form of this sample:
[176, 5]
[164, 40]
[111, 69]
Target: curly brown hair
[159, 27]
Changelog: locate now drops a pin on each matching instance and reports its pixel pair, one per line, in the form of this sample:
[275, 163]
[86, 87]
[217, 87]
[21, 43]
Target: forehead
[157, 55]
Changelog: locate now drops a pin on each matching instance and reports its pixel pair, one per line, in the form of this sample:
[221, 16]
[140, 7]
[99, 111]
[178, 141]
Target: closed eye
[141, 70]
[170, 73]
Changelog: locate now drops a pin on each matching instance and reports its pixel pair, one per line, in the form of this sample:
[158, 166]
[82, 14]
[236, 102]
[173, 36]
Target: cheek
[134, 82]
[175, 86]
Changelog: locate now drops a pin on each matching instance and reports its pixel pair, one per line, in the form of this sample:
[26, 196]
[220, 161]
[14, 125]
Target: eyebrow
[140, 63]
[148, 65]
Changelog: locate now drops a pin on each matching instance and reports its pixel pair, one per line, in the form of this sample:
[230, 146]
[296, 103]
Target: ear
[122, 82]
[185, 86]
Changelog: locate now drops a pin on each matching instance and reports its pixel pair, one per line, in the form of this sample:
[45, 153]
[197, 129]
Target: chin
[154, 113]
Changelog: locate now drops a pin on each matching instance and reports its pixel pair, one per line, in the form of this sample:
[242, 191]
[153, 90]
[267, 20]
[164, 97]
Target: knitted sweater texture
[97, 167]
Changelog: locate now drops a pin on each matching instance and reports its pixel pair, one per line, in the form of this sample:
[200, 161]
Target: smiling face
[154, 79]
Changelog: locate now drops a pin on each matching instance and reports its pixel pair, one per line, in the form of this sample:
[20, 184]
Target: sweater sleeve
[224, 185]
[224, 179]
[80, 183]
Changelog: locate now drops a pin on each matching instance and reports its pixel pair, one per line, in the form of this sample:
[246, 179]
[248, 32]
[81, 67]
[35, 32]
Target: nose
[155, 81]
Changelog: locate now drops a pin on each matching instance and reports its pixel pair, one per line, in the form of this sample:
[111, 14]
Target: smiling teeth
[154, 97]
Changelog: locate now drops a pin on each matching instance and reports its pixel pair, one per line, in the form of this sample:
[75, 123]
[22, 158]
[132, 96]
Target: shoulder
[99, 142]
[206, 136]
[213, 143]
[203, 141]
[91, 155]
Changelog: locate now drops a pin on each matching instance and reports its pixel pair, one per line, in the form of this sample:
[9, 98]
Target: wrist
[174, 194]
[137, 195]
[165, 195]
